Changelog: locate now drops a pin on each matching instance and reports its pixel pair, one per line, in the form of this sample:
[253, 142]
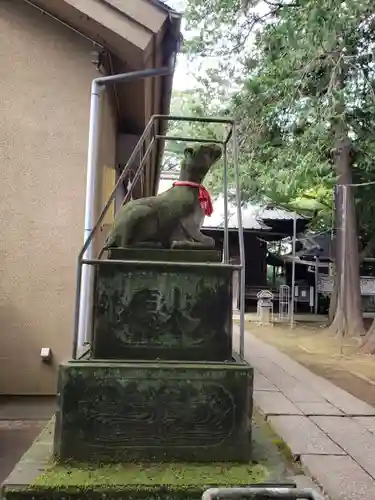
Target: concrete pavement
[329, 431]
[21, 420]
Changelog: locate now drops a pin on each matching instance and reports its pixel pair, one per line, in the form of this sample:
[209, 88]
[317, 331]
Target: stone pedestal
[165, 411]
[165, 310]
[161, 383]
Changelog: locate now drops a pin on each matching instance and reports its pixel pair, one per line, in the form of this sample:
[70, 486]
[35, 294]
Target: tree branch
[250, 25]
[311, 197]
[280, 4]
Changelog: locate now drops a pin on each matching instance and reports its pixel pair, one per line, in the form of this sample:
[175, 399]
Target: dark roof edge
[163, 6]
[172, 43]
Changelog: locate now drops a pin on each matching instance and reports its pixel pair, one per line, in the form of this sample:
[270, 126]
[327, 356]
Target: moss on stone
[274, 438]
[283, 448]
[150, 476]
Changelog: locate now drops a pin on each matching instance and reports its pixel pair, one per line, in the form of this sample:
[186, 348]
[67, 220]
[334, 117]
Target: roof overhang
[127, 29]
[130, 36]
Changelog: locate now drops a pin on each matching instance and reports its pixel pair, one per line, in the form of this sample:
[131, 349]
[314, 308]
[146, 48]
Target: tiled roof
[253, 216]
[276, 213]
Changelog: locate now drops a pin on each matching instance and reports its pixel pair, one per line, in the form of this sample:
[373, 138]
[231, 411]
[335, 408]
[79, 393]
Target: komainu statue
[172, 219]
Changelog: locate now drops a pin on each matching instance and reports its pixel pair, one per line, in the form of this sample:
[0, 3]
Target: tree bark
[333, 305]
[368, 345]
[348, 318]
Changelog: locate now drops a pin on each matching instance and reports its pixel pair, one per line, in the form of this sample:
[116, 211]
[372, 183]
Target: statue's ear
[188, 152]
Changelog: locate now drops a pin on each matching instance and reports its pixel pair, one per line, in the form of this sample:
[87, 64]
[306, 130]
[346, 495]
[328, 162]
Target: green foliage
[308, 83]
[192, 104]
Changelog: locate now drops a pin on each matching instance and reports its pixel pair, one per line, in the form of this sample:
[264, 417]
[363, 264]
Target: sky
[183, 76]
[184, 72]
[186, 69]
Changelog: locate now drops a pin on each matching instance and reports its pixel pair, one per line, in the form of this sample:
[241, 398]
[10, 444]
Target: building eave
[132, 36]
[121, 27]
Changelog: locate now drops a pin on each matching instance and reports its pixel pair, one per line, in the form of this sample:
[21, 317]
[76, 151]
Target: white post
[85, 313]
[316, 298]
[293, 268]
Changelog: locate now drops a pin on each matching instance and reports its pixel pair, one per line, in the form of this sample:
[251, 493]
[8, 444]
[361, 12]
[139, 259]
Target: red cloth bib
[203, 196]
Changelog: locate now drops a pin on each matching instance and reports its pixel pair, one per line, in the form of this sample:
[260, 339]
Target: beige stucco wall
[107, 160]
[45, 77]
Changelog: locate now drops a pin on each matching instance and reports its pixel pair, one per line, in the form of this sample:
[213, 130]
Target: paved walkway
[21, 420]
[330, 432]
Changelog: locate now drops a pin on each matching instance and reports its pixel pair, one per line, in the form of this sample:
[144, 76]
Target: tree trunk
[348, 317]
[339, 325]
[353, 299]
[368, 346]
[336, 280]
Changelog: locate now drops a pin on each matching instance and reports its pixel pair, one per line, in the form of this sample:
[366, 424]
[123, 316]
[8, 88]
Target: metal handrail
[139, 149]
[190, 139]
[136, 151]
[90, 237]
[214, 265]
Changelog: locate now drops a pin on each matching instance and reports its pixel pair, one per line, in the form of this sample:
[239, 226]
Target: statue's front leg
[194, 238]
[193, 245]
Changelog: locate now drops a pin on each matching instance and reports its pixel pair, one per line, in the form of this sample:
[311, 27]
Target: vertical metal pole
[293, 268]
[240, 241]
[226, 236]
[333, 213]
[87, 280]
[343, 258]
[77, 308]
[316, 298]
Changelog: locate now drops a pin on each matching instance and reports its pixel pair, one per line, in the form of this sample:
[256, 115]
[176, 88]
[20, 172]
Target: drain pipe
[87, 280]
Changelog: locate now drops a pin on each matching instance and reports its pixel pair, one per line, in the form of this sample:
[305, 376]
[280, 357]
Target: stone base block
[38, 477]
[168, 310]
[160, 254]
[166, 411]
